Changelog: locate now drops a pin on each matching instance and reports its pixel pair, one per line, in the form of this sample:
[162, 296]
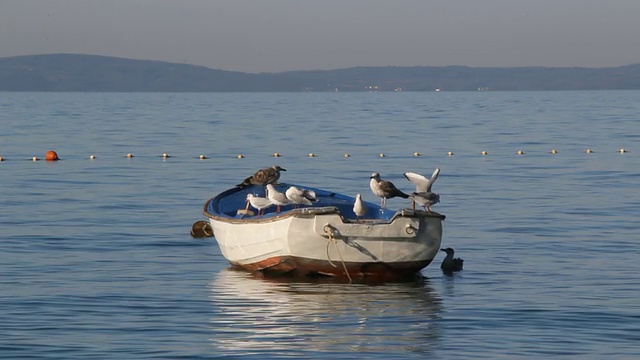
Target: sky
[283, 35]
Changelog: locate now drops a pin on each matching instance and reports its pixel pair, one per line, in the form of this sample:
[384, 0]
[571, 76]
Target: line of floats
[51, 155]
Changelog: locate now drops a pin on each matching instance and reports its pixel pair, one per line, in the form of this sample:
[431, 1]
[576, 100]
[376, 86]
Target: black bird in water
[449, 264]
[263, 177]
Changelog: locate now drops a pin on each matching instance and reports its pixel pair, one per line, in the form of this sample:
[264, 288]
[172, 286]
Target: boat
[325, 238]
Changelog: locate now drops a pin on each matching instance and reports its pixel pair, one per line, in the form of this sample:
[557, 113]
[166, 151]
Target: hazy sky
[281, 35]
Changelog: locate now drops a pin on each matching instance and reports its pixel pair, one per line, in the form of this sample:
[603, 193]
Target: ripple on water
[256, 313]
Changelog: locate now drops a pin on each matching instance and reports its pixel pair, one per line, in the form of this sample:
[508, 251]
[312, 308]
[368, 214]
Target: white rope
[329, 232]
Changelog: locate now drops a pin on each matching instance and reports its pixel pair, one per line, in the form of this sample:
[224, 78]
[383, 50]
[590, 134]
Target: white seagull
[277, 197]
[384, 189]
[300, 196]
[358, 207]
[423, 194]
[258, 203]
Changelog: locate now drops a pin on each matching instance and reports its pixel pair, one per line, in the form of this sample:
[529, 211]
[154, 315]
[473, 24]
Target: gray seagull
[423, 194]
[384, 189]
[262, 177]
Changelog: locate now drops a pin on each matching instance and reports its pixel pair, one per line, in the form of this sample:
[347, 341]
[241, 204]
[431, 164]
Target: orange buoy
[52, 156]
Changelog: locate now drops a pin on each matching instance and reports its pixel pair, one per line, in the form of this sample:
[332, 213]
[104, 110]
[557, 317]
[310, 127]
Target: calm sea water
[96, 260]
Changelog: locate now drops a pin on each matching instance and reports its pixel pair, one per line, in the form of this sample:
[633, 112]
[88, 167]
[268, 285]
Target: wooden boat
[325, 238]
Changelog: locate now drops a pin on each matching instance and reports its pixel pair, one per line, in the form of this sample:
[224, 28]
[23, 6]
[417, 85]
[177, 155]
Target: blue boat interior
[231, 203]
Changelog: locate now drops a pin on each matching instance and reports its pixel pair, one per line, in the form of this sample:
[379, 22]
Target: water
[96, 260]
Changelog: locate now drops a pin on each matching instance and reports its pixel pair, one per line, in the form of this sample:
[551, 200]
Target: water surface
[96, 260]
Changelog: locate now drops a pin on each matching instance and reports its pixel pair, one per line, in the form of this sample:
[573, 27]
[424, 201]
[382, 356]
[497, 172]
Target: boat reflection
[281, 315]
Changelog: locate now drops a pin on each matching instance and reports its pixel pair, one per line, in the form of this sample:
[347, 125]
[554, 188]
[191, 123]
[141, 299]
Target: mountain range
[93, 73]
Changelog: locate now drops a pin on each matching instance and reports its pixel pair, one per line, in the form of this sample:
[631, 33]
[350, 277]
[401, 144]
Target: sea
[97, 260]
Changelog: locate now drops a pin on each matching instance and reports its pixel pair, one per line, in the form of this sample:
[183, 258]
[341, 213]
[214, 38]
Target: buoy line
[52, 155]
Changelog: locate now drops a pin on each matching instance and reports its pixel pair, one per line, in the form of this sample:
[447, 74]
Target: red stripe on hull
[301, 267]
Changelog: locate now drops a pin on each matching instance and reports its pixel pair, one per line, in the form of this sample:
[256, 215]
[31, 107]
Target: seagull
[384, 189]
[449, 264]
[423, 194]
[358, 207]
[263, 177]
[422, 183]
[300, 196]
[425, 199]
[277, 197]
[258, 203]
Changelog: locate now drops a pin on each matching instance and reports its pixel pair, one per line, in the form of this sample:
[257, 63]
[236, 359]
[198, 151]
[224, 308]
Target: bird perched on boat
[299, 196]
[425, 199]
[358, 207]
[258, 203]
[449, 264]
[423, 194]
[262, 177]
[384, 189]
[277, 197]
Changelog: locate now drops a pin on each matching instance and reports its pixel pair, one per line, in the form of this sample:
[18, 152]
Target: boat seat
[242, 212]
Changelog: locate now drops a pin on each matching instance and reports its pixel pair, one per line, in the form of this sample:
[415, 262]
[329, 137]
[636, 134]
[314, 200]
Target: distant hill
[74, 72]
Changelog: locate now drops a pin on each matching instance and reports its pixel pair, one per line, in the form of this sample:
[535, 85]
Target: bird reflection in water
[284, 315]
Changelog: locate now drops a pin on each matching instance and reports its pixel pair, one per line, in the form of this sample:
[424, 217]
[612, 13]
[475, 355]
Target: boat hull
[321, 242]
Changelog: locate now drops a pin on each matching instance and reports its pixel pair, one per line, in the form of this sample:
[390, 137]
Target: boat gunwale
[311, 211]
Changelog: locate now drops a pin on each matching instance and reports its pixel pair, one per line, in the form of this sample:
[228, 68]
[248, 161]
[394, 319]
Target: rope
[327, 230]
